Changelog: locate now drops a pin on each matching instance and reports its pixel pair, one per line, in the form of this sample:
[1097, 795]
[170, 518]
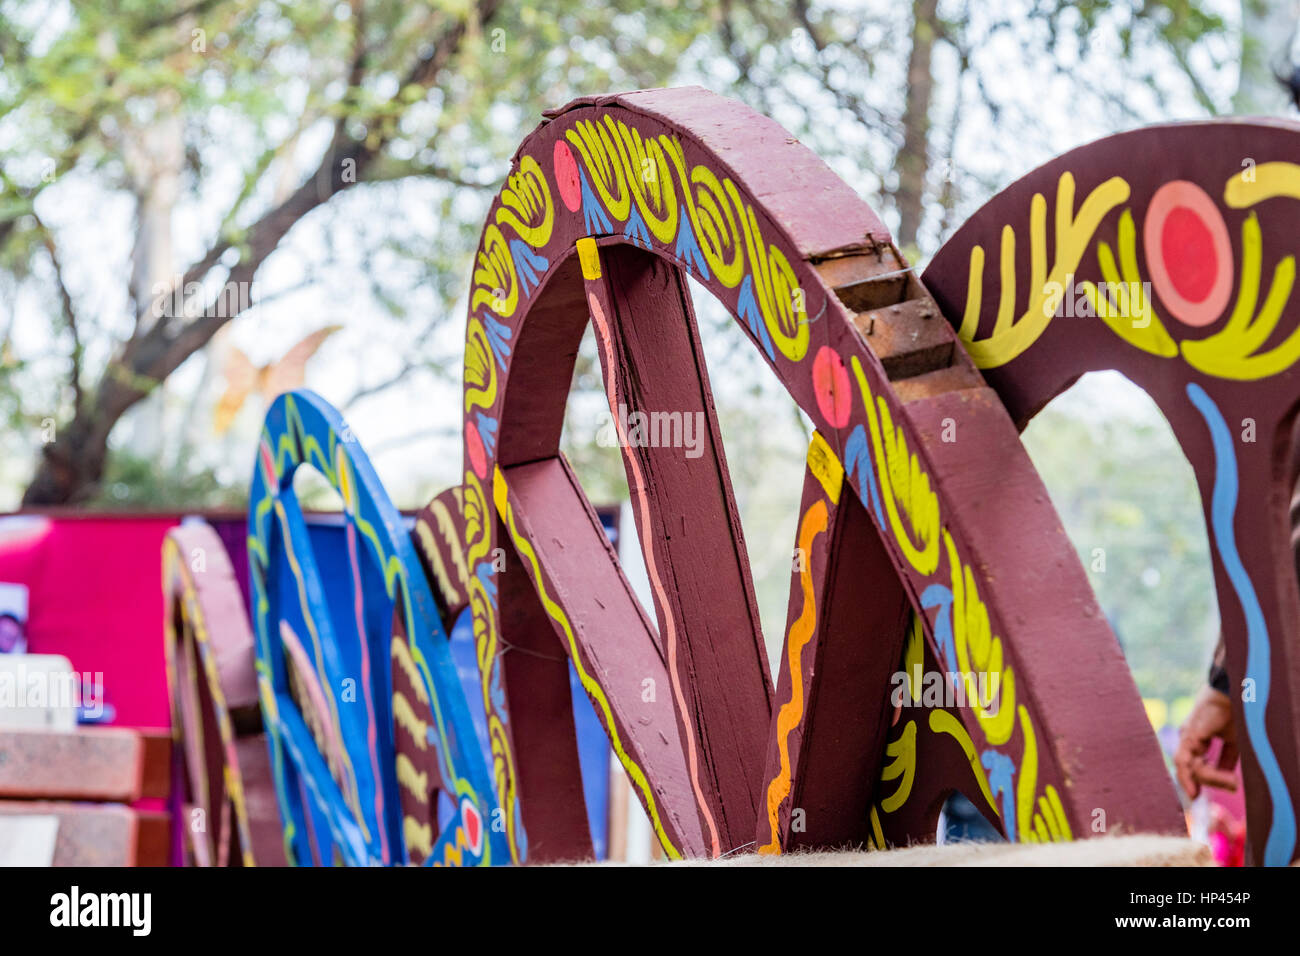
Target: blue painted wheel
[331, 620]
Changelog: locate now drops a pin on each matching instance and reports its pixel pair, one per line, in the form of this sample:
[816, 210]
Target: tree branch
[408, 366]
[153, 356]
[866, 114]
[1202, 95]
[164, 346]
[69, 311]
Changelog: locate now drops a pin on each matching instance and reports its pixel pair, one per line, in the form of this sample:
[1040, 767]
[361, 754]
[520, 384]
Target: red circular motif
[566, 176]
[831, 386]
[474, 448]
[1188, 252]
[1189, 255]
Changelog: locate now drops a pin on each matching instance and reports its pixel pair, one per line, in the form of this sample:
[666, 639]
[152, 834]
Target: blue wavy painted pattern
[1223, 506]
[936, 595]
[858, 459]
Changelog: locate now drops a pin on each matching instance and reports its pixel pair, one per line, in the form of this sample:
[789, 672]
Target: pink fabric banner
[96, 598]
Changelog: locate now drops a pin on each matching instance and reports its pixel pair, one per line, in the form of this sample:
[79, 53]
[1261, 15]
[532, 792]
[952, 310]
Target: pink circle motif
[831, 385]
[1189, 254]
[566, 176]
[474, 448]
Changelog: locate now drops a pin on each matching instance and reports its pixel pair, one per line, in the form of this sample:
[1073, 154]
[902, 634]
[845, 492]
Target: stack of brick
[68, 793]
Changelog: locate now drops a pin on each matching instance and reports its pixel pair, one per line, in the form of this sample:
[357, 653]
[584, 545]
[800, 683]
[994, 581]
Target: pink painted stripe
[371, 728]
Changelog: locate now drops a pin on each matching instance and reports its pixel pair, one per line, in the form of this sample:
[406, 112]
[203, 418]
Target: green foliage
[132, 483]
[1130, 505]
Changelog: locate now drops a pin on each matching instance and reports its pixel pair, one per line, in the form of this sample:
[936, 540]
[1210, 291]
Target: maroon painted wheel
[611, 203]
[1183, 269]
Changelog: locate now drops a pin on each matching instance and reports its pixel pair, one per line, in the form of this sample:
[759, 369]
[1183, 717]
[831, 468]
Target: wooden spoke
[688, 526]
[535, 681]
[599, 623]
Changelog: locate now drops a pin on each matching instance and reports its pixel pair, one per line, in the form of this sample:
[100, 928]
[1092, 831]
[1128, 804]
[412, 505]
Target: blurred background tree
[1128, 498]
[193, 194]
[216, 128]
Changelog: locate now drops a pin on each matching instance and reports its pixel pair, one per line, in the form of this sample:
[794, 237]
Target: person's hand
[1211, 717]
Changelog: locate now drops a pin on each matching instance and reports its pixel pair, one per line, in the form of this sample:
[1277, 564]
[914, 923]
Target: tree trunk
[72, 465]
[155, 158]
[914, 160]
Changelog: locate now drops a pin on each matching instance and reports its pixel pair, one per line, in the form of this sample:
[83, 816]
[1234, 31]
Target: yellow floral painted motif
[1074, 232]
[914, 658]
[1042, 820]
[480, 368]
[978, 652]
[495, 284]
[1232, 351]
[418, 836]
[404, 716]
[526, 205]
[503, 777]
[904, 484]
[647, 175]
[1123, 305]
[1270, 181]
[942, 722]
[775, 286]
[414, 781]
[712, 218]
[604, 166]
[451, 581]
[478, 544]
[627, 169]
[902, 767]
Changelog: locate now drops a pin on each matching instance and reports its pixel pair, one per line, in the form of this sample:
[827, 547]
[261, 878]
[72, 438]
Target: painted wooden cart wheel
[344, 669]
[231, 817]
[1178, 271]
[611, 203]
